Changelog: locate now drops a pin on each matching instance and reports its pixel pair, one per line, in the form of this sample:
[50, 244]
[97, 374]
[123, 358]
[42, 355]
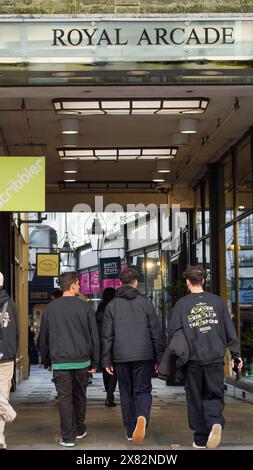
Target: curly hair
[195, 274]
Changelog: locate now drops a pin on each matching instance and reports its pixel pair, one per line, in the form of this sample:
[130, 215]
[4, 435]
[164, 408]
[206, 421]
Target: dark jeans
[135, 391]
[204, 386]
[71, 389]
[110, 382]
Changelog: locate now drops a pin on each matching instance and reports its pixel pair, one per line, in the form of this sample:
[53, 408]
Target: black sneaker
[110, 403]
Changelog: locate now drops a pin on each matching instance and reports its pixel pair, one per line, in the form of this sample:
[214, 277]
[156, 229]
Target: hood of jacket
[127, 292]
[4, 297]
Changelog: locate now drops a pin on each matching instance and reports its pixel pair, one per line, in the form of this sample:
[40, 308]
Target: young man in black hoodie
[8, 347]
[209, 330]
[132, 344]
[69, 338]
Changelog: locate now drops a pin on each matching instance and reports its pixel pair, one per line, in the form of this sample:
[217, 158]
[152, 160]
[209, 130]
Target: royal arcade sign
[92, 40]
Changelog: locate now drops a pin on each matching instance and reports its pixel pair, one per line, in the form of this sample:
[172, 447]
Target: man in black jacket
[8, 347]
[132, 343]
[209, 330]
[69, 338]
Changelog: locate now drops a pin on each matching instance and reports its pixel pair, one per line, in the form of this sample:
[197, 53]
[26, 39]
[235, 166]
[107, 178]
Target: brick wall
[125, 6]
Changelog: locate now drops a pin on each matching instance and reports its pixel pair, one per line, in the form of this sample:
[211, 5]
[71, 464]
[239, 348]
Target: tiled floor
[37, 423]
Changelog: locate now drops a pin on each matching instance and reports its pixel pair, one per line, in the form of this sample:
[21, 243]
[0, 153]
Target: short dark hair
[56, 293]
[195, 274]
[108, 294]
[128, 276]
[66, 279]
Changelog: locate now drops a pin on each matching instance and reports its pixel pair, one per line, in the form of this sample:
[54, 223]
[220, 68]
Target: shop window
[137, 262]
[207, 222]
[207, 265]
[198, 212]
[228, 186]
[244, 177]
[199, 253]
[153, 270]
[230, 272]
[245, 254]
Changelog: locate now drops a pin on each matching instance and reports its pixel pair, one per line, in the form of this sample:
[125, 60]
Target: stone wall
[125, 6]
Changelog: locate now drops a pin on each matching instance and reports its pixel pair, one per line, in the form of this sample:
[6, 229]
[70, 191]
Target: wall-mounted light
[188, 126]
[70, 126]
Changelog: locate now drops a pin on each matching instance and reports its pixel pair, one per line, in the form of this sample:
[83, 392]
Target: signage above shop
[99, 40]
[47, 264]
[110, 268]
[22, 184]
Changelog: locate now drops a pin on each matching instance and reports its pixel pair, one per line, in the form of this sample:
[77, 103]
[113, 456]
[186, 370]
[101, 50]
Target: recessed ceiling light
[241, 207]
[69, 181]
[70, 171]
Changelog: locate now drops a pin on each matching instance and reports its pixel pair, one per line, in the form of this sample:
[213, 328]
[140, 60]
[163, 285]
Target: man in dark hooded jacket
[8, 348]
[132, 343]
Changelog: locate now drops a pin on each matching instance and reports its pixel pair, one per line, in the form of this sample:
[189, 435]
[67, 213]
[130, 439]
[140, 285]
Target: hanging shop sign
[85, 283]
[47, 264]
[22, 184]
[94, 282]
[97, 39]
[110, 268]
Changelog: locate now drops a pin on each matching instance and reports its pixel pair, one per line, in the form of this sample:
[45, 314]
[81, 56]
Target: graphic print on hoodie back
[207, 326]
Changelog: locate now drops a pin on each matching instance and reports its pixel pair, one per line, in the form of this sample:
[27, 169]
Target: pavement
[37, 424]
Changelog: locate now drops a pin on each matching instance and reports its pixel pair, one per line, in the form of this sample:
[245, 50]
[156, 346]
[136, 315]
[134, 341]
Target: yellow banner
[47, 264]
[22, 184]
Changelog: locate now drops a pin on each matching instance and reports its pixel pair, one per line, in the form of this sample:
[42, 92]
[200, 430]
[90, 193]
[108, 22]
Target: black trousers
[204, 386]
[71, 389]
[110, 382]
[135, 387]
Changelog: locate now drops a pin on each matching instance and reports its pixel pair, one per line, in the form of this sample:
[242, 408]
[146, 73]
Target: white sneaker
[196, 446]
[2, 443]
[129, 438]
[214, 436]
[80, 436]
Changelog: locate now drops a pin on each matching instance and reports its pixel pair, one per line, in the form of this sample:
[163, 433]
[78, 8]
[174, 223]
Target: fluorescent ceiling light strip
[78, 153]
[132, 106]
[157, 151]
[181, 103]
[104, 152]
[117, 153]
[115, 104]
[146, 104]
[78, 158]
[129, 152]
